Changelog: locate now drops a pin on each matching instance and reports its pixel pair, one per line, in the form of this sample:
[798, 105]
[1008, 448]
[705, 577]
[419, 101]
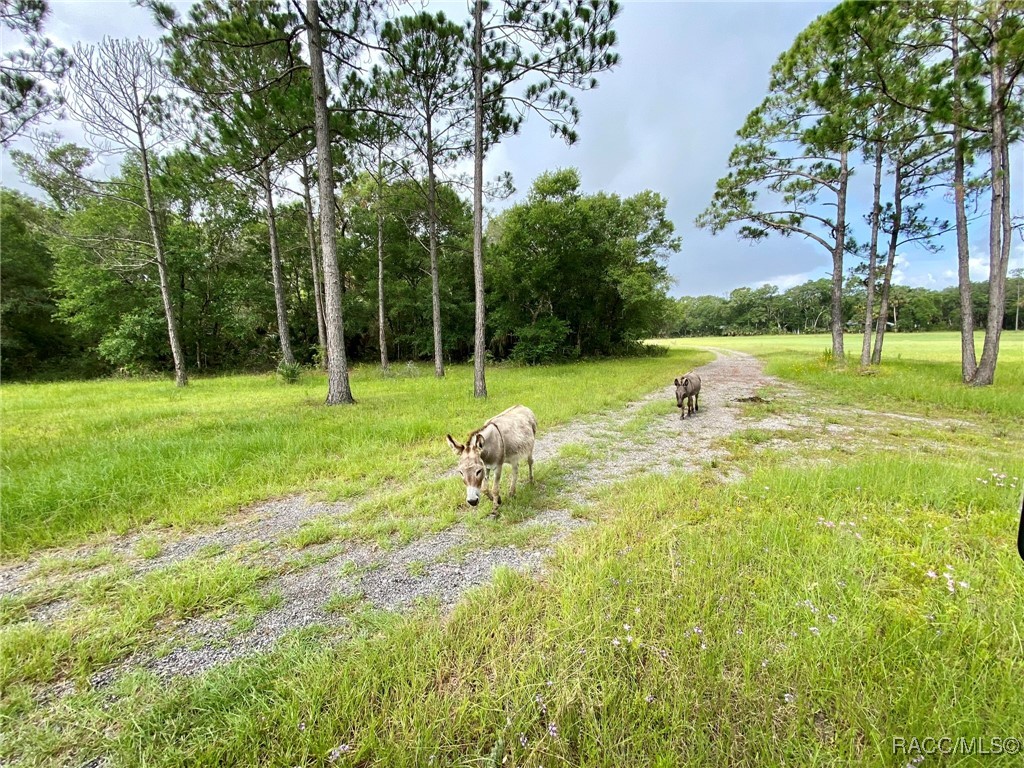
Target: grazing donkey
[506, 439]
[688, 389]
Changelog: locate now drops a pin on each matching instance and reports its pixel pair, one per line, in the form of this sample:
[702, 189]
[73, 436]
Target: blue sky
[664, 120]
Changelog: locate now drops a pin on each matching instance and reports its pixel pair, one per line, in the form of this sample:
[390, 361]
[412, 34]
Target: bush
[289, 373]
[541, 342]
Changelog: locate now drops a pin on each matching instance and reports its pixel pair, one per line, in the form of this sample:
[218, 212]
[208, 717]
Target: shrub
[541, 342]
[289, 373]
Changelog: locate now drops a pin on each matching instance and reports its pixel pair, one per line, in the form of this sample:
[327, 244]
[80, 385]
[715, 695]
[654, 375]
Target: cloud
[978, 263]
[785, 282]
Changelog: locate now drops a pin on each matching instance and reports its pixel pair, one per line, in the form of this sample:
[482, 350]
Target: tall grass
[789, 619]
[806, 615]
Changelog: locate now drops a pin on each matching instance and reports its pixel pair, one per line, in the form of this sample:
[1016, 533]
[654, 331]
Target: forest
[305, 185]
[806, 308]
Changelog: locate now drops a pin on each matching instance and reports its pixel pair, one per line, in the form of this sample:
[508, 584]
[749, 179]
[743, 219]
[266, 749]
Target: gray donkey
[688, 389]
[508, 438]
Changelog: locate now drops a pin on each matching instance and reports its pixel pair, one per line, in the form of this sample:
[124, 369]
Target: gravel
[427, 568]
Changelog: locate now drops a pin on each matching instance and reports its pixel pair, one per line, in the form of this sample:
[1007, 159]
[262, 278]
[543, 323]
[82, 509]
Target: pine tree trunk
[381, 315]
[968, 357]
[894, 238]
[435, 277]
[838, 356]
[338, 390]
[479, 340]
[999, 224]
[177, 353]
[869, 299]
[318, 296]
[275, 268]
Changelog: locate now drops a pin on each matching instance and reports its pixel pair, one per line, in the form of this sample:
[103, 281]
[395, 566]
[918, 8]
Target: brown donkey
[688, 389]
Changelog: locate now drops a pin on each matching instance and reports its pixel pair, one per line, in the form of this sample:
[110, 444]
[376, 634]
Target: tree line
[272, 109]
[922, 96]
[568, 275]
[807, 308]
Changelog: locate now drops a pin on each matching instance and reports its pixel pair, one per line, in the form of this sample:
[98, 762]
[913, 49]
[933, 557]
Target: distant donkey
[688, 389]
[508, 438]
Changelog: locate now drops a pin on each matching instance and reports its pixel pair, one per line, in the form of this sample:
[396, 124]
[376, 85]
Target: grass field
[920, 371]
[81, 458]
[836, 595]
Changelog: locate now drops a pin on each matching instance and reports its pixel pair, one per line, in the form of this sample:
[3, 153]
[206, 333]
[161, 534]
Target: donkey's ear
[676, 382]
[457, 447]
[479, 440]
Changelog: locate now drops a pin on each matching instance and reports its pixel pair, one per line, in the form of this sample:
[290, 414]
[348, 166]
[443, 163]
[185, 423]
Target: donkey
[508, 438]
[688, 389]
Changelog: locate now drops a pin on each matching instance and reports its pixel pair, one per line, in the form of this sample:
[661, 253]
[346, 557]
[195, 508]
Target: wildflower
[832, 618]
[637, 610]
[629, 638]
[815, 631]
[338, 751]
[523, 740]
[789, 698]
[626, 627]
[550, 683]
[616, 642]
[932, 575]
[649, 699]
[739, 631]
[553, 730]
[698, 631]
[302, 725]
[703, 646]
[963, 584]
[858, 536]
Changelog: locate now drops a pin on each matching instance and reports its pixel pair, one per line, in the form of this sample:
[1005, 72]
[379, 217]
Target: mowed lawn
[836, 597]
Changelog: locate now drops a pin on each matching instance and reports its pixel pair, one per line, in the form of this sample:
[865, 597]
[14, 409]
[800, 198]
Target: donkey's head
[471, 466]
[683, 389]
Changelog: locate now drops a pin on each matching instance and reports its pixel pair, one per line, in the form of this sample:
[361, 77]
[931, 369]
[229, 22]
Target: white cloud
[785, 282]
[926, 280]
[978, 263]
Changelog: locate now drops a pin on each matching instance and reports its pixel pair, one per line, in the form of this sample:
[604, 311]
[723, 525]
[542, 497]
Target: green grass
[800, 616]
[117, 612]
[920, 372]
[82, 458]
[787, 619]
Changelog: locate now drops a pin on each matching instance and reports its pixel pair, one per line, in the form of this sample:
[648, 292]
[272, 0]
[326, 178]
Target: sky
[665, 119]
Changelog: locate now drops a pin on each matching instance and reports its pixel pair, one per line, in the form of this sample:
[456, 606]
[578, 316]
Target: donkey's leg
[529, 463]
[496, 495]
[696, 402]
[515, 477]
